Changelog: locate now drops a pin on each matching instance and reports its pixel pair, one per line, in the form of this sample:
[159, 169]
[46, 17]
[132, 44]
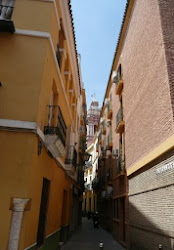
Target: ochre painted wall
[16, 157]
[45, 167]
[24, 170]
[21, 68]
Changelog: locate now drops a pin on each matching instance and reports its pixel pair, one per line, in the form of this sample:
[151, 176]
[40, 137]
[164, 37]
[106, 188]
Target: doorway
[43, 212]
[123, 219]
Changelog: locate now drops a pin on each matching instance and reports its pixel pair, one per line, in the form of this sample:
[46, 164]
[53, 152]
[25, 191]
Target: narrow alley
[87, 124]
[88, 238]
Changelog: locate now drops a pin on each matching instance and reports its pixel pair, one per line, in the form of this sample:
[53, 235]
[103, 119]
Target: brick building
[141, 90]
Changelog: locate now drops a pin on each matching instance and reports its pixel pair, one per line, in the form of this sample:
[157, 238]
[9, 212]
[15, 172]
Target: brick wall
[146, 94]
[167, 22]
[151, 206]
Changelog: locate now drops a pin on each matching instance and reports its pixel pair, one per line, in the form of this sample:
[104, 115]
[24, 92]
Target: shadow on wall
[146, 235]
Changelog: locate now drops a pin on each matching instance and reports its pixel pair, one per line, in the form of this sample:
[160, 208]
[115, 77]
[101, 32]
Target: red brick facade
[147, 102]
[145, 52]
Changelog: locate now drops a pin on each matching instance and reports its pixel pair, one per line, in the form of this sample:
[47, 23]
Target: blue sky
[97, 26]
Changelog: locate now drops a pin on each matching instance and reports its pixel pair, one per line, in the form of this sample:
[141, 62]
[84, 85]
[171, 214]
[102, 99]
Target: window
[119, 72]
[116, 209]
[58, 55]
[6, 9]
[61, 126]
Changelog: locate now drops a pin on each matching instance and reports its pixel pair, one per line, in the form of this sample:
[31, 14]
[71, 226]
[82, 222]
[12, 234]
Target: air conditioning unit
[115, 152]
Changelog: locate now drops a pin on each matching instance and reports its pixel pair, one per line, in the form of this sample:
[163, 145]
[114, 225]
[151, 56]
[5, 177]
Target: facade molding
[151, 190]
[71, 48]
[158, 151]
[15, 124]
[49, 235]
[21, 126]
[32, 33]
[33, 245]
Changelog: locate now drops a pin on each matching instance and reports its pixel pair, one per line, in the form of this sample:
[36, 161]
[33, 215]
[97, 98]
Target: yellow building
[90, 176]
[41, 96]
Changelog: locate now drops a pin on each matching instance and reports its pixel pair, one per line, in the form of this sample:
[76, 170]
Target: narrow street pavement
[88, 238]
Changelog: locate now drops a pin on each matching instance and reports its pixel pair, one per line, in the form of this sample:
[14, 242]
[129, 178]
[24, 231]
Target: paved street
[88, 238]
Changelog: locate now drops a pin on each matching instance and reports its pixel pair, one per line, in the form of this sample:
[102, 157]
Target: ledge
[155, 153]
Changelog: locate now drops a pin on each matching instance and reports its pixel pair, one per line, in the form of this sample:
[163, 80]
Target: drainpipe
[17, 214]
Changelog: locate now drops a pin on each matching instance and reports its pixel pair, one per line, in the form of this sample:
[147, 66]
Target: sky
[97, 26]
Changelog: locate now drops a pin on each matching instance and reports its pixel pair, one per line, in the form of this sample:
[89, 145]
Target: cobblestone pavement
[88, 238]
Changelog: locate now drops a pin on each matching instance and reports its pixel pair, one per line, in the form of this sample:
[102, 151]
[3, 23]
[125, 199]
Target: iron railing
[6, 11]
[119, 117]
[117, 78]
[58, 56]
[109, 106]
[119, 165]
[56, 124]
[82, 145]
[71, 157]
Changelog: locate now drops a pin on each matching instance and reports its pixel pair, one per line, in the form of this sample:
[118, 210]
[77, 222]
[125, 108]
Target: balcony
[71, 157]
[118, 84]
[82, 146]
[120, 166]
[55, 132]
[103, 128]
[82, 121]
[109, 175]
[119, 122]
[58, 56]
[109, 107]
[6, 24]
[81, 179]
[109, 141]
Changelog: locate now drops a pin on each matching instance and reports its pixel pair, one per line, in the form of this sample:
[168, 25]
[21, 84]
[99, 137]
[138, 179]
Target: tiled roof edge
[75, 44]
[117, 45]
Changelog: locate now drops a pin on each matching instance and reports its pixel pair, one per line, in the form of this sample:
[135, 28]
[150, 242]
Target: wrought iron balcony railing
[82, 145]
[117, 78]
[109, 108]
[119, 116]
[56, 124]
[58, 55]
[6, 12]
[71, 157]
[6, 24]
[118, 84]
[119, 121]
[119, 165]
